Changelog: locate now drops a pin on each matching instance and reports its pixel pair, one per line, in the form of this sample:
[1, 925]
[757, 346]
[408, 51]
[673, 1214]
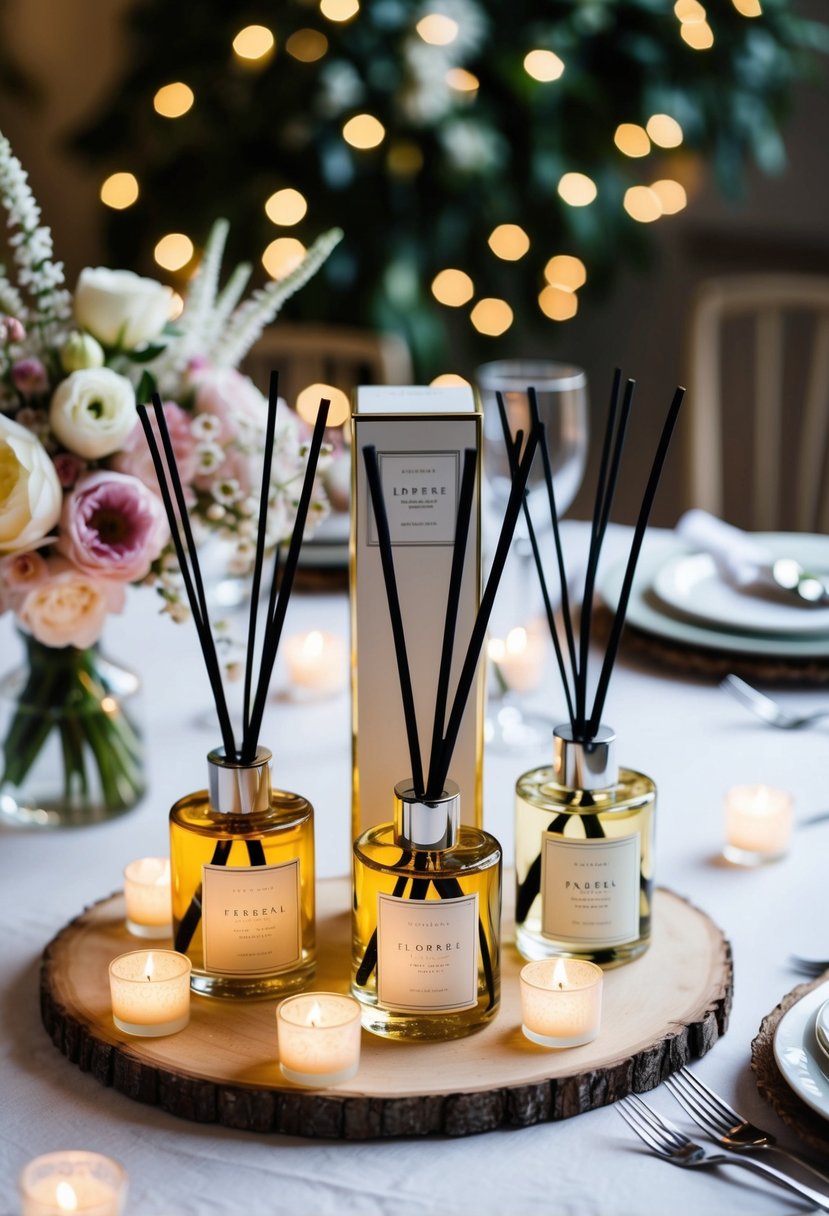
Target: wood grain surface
[667, 1007]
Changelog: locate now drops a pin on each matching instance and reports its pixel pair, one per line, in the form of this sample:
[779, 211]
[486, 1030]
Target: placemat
[808, 1125]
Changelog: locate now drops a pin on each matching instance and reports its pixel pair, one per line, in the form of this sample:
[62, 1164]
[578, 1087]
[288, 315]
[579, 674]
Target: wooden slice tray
[669, 1006]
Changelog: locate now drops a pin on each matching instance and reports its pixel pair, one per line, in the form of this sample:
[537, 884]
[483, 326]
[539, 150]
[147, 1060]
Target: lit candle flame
[312, 644]
[150, 967]
[65, 1197]
[559, 974]
[314, 1015]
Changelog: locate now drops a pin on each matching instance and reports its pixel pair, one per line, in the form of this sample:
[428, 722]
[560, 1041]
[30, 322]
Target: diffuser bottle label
[427, 954]
[590, 891]
[420, 490]
[251, 918]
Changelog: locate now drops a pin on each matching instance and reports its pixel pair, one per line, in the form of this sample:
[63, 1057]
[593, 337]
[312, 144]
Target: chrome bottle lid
[239, 789]
[585, 764]
[421, 823]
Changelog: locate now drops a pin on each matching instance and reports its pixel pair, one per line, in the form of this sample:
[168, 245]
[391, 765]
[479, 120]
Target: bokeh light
[173, 251]
[565, 271]
[339, 10]
[449, 380]
[120, 190]
[664, 130]
[462, 81]
[452, 288]
[286, 207]
[491, 316]
[173, 100]
[577, 189]
[308, 404]
[642, 204]
[543, 65]
[437, 29]
[631, 139]
[508, 241]
[364, 131]
[671, 195]
[307, 45]
[557, 303]
[282, 256]
[698, 35]
[253, 42]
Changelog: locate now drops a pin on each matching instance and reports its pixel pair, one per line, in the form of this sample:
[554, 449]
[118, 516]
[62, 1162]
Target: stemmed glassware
[561, 395]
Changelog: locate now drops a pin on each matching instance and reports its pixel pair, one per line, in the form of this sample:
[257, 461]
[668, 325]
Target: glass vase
[72, 751]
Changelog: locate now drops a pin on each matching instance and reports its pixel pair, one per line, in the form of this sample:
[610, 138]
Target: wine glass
[561, 396]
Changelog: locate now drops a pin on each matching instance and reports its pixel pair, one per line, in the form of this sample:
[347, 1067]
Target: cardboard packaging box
[420, 435]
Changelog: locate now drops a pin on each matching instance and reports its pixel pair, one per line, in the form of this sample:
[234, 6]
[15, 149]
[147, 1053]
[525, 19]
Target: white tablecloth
[691, 738]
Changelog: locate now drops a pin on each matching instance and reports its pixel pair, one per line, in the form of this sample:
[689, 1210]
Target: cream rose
[93, 412]
[69, 608]
[30, 491]
[121, 308]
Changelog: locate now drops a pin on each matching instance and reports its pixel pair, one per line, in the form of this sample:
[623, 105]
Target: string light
[453, 288]
[671, 195]
[543, 65]
[642, 204]
[698, 35]
[577, 189]
[491, 316]
[120, 190]
[308, 404]
[437, 29]
[253, 43]
[450, 380]
[565, 271]
[664, 130]
[282, 256]
[462, 81]
[339, 10]
[364, 131]
[307, 45]
[173, 100]
[631, 139]
[173, 251]
[509, 242]
[557, 303]
[286, 207]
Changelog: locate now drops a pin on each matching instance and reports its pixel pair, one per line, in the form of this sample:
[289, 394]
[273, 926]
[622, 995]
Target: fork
[767, 709]
[668, 1142]
[726, 1125]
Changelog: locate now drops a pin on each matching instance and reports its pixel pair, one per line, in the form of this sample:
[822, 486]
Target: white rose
[30, 491]
[121, 308]
[93, 412]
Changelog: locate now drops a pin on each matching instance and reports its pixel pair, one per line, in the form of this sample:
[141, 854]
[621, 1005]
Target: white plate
[690, 585]
[798, 1055]
[648, 613]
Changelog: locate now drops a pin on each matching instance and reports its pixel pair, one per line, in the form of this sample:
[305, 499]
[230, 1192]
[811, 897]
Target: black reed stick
[273, 627]
[261, 532]
[451, 619]
[185, 557]
[395, 615]
[630, 570]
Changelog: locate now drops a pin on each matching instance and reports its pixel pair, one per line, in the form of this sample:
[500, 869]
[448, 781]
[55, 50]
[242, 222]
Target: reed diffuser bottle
[427, 891]
[584, 854]
[584, 828]
[241, 852]
[242, 861]
[427, 906]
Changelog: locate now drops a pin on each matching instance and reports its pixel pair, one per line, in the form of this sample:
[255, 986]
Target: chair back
[758, 380]
[338, 355]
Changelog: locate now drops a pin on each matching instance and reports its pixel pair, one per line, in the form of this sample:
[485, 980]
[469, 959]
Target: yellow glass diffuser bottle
[426, 917]
[241, 853]
[584, 854]
[242, 867]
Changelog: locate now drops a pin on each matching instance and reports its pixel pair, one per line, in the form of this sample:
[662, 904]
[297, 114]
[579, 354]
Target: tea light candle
[147, 896]
[319, 1038]
[758, 824]
[150, 992]
[72, 1181]
[561, 1002]
[315, 662]
[519, 658]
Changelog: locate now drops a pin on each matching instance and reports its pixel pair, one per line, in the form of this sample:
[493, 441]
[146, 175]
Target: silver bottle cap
[239, 789]
[585, 764]
[421, 823]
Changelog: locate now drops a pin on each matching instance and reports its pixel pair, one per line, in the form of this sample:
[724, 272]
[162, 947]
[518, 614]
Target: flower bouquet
[80, 513]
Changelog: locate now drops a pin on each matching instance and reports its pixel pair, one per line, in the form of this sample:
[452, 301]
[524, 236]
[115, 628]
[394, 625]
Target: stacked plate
[679, 596]
[801, 1049]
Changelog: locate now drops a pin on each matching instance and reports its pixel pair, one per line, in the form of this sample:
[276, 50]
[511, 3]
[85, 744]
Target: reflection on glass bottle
[584, 854]
[242, 871]
[426, 921]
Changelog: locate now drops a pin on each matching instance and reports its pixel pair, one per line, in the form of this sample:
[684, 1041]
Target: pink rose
[112, 526]
[29, 377]
[134, 457]
[19, 574]
[232, 398]
[69, 608]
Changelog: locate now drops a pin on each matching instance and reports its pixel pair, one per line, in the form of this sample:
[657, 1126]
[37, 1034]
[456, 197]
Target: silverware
[809, 966]
[788, 575]
[724, 1124]
[769, 710]
[668, 1142]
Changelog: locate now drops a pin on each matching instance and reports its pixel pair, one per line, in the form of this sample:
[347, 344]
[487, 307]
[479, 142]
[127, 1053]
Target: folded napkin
[739, 559]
